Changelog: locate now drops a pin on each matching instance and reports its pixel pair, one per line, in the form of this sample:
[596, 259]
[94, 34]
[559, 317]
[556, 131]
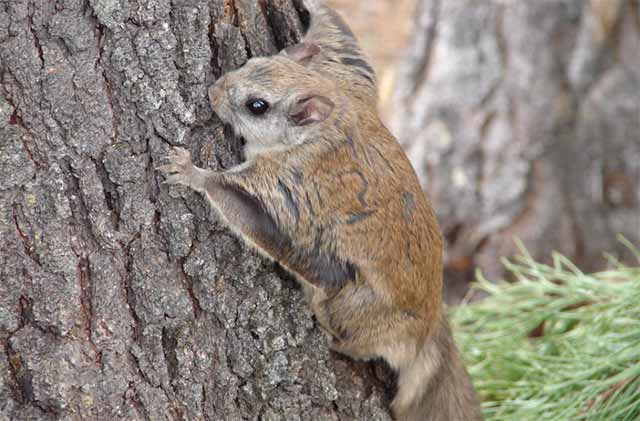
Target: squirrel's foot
[350, 349]
[180, 169]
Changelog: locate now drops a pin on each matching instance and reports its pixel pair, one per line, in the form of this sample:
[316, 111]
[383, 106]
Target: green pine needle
[558, 344]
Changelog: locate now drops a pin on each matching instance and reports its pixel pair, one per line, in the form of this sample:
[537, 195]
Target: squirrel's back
[340, 56]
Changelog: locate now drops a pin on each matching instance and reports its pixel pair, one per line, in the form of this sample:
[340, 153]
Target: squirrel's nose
[215, 93]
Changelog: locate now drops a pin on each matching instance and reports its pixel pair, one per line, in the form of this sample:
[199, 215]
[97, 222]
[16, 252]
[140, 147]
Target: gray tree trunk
[119, 300]
[523, 119]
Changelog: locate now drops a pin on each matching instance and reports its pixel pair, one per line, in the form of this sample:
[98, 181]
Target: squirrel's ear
[311, 109]
[302, 52]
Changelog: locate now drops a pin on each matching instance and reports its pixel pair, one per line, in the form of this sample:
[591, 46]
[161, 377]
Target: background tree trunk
[523, 119]
[120, 298]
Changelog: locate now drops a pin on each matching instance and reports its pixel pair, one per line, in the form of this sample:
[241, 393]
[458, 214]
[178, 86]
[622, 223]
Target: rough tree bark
[121, 298]
[523, 119]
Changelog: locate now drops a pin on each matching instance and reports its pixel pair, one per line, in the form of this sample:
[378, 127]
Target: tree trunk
[523, 120]
[118, 299]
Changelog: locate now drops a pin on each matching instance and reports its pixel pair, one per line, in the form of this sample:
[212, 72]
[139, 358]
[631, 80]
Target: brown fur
[335, 201]
[340, 56]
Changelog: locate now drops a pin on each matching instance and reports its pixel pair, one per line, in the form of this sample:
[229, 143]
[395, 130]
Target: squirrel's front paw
[179, 169]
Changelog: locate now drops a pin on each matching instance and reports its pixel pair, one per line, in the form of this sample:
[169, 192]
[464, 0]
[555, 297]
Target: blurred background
[383, 29]
[521, 118]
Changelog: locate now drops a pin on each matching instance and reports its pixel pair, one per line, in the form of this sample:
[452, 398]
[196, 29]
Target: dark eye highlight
[257, 106]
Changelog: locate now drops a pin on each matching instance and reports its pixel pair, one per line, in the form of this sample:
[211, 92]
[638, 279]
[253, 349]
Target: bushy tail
[436, 386]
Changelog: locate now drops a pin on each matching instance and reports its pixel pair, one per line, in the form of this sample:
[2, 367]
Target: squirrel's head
[274, 102]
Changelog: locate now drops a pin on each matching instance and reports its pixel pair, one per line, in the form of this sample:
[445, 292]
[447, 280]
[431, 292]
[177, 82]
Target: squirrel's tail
[436, 386]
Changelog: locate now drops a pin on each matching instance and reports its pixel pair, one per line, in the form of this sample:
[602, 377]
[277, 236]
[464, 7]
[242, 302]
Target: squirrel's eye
[257, 106]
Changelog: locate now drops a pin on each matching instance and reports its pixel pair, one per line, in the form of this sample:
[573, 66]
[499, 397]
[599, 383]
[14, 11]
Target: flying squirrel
[327, 192]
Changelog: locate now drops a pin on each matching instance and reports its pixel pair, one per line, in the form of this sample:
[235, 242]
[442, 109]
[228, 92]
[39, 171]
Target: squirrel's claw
[178, 168]
[175, 179]
[167, 168]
